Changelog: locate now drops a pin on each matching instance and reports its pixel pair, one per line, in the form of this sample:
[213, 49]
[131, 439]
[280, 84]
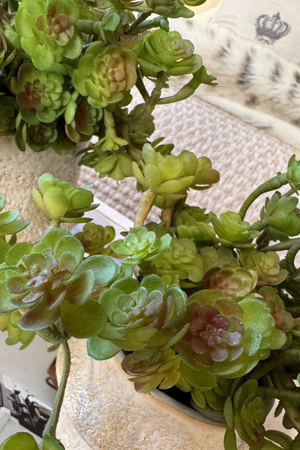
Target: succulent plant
[42, 278]
[141, 314]
[217, 257]
[180, 262]
[213, 309]
[231, 280]
[61, 201]
[41, 96]
[266, 265]
[141, 245]
[49, 31]
[152, 368]
[95, 238]
[247, 415]
[193, 223]
[228, 338]
[105, 74]
[232, 230]
[8, 115]
[163, 51]
[170, 176]
[280, 216]
[9, 323]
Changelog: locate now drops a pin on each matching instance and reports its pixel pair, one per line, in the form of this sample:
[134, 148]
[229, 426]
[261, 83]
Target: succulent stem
[282, 381]
[133, 29]
[50, 428]
[270, 185]
[155, 95]
[144, 207]
[286, 245]
[167, 215]
[281, 394]
[284, 358]
[141, 87]
[290, 257]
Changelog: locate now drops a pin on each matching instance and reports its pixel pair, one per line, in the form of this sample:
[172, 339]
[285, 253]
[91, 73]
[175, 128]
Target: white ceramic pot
[101, 410]
[19, 172]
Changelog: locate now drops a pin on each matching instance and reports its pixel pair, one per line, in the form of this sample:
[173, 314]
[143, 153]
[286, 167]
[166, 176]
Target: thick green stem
[271, 185]
[144, 208]
[199, 77]
[134, 27]
[290, 257]
[155, 95]
[282, 381]
[50, 428]
[284, 358]
[281, 394]
[141, 87]
[286, 245]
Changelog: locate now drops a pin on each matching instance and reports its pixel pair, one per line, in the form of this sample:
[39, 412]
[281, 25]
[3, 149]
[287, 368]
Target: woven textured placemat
[244, 155]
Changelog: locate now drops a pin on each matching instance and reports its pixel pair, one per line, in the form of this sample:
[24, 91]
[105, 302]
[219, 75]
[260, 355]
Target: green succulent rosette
[82, 119]
[170, 176]
[61, 201]
[231, 280]
[8, 115]
[141, 245]
[48, 30]
[293, 173]
[9, 323]
[141, 314]
[10, 224]
[38, 137]
[232, 230]
[180, 264]
[193, 223]
[217, 257]
[228, 338]
[151, 368]
[105, 74]
[280, 217]
[166, 51]
[116, 166]
[41, 96]
[246, 414]
[211, 398]
[25, 441]
[266, 265]
[284, 321]
[51, 279]
[96, 238]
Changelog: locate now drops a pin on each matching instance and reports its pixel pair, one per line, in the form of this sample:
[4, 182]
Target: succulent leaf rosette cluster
[202, 303]
[68, 68]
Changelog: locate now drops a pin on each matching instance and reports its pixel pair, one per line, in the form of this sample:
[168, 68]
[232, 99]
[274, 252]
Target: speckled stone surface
[19, 174]
[102, 411]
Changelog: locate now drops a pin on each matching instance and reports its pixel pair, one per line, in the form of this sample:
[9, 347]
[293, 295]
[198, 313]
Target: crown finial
[271, 28]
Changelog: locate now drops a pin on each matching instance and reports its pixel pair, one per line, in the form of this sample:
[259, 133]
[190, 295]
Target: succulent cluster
[202, 303]
[68, 68]
[212, 309]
